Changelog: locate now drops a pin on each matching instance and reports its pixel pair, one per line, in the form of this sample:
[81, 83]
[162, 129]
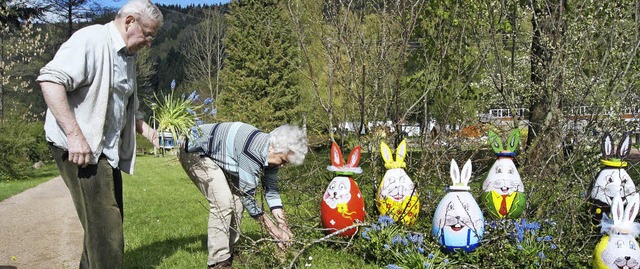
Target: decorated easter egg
[342, 204]
[458, 223]
[619, 248]
[612, 179]
[503, 191]
[397, 195]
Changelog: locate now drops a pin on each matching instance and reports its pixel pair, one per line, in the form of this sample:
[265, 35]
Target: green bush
[21, 144]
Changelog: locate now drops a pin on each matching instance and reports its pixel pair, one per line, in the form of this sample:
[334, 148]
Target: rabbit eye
[619, 244]
[466, 207]
[632, 245]
[511, 171]
[609, 179]
[450, 207]
[342, 187]
[624, 181]
[498, 170]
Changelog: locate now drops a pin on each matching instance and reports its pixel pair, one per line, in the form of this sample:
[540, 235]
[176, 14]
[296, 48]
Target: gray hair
[289, 138]
[143, 8]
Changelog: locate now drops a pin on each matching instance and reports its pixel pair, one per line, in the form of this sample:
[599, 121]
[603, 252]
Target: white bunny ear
[631, 210]
[385, 151]
[607, 146]
[617, 210]
[455, 172]
[401, 151]
[625, 146]
[465, 175]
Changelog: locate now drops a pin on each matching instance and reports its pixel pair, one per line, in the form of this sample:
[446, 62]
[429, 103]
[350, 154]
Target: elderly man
[92, 120]
[227, 162]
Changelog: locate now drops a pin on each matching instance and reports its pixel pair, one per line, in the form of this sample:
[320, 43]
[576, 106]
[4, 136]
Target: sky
[119, 3]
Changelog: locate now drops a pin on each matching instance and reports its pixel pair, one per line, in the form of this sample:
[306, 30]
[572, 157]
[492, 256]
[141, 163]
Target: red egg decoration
[342, 203]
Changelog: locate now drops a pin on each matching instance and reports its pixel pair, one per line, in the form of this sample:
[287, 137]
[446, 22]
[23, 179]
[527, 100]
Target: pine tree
[261, 85]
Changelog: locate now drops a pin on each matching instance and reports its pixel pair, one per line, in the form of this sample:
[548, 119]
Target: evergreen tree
[260, 82]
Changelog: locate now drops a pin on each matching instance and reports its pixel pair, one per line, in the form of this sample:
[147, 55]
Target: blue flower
[191, 111]
[214, 112]
[375, 227]
[547, 238]
[206, 110]
[541, 255]
[365, 235]
[553, 246]
[421, 250]
[427, 265]
[192, 96]
[519, 247]
[446, 261]
[430, 256]
[396, 239]
[539, 239]
[386, 246]
[208, 101]
[393, 266]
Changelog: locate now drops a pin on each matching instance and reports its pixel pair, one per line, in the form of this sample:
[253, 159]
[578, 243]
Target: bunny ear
[617, 210]
[607, 146]
[386, 152]
[401, 151]
[465, 175]
[336, 155]
[625, 146]
[631, 211]
[495, 142]
[455, 172]
[354, 157]
[514, 139]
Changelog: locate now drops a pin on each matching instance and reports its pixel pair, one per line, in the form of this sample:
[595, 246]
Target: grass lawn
[13, 187]
[166, 222]
[166, 226]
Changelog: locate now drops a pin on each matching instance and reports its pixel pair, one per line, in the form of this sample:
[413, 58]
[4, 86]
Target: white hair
[290, 139]
[143, 8]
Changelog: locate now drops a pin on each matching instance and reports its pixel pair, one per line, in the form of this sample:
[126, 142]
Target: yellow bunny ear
[386, 153]
[401, 151]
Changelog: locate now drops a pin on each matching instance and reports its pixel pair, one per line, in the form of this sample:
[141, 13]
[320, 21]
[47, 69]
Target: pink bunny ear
[354, 157]
[336, 155]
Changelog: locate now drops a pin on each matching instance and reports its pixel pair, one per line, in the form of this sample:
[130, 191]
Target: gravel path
[39, 228]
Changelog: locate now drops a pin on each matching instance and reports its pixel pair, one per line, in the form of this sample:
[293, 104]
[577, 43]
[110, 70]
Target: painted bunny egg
[503, 191]
[342, 203]
[612, 179]
[397, 196]
[619, 248]
[458, 223]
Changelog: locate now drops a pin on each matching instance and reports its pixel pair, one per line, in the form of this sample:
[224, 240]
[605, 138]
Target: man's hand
[79, 150]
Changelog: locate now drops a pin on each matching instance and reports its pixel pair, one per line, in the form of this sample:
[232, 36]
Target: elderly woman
[227, 161]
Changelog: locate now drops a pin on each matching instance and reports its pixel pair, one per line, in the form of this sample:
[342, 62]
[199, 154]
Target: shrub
[21, 144]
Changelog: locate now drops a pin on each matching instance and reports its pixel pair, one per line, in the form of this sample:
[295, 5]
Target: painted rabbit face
[622, 251]
[342, 203]
[619, 249]
[611, 182]
[397, 196]
[396, 184]
[338, 191]
[457, 213]
[503, 178]
[458, 222]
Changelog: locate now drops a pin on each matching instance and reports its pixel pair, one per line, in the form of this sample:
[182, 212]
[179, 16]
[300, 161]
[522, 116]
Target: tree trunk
[544, 137]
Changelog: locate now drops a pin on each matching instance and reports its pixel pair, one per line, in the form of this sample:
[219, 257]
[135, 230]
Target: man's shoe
[221, 265]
